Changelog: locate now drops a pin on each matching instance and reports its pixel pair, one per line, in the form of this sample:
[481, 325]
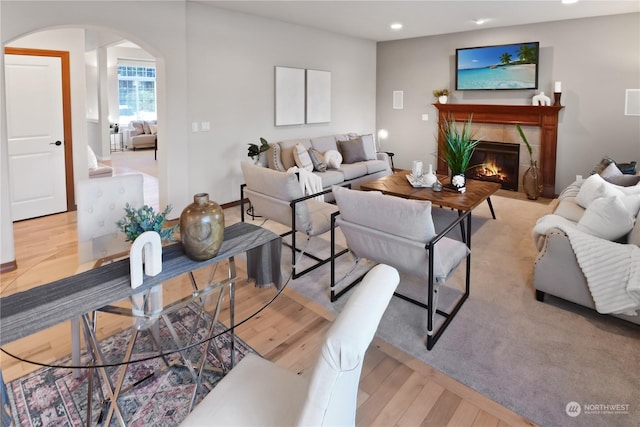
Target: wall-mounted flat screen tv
[501, 67]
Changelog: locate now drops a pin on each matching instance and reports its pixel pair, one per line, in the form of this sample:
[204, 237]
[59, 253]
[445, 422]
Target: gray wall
[596, 59]
[212, 65]
[231, 76]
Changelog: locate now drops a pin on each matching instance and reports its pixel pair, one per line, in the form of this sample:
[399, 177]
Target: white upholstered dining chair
[100, 204]
[260, 393]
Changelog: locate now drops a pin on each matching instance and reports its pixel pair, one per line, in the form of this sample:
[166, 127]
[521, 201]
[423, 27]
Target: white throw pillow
[369, 146]
[595, 187]
[91, 158]
[153, 128]
[302, 158]
[611, 171]
[333, 159]
[607, 217]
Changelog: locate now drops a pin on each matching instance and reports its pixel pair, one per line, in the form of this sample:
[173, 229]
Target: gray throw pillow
[352, 150]
[317, 158]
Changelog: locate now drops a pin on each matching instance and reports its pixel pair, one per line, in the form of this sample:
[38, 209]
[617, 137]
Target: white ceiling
[371, 19]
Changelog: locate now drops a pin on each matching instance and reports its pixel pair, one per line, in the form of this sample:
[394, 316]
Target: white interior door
[35, 135]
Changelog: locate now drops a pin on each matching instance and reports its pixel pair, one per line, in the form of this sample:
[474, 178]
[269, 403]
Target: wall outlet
[194, 127]
[425, 117]
[205, 126]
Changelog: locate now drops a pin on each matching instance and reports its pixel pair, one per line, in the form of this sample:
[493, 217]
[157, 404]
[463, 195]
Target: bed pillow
[301, 156]
[352, 150]
[333, 159]
[607, 218]
[317, 158]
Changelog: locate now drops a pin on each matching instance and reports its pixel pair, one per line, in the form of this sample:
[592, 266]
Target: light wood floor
[395, 389]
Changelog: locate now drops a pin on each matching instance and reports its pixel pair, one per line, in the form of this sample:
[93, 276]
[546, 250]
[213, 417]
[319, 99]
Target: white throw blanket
[612, 269]
[310, 183]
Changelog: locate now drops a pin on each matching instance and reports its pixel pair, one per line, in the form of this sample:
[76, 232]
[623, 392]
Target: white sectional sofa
[607, 235]
[348, 158]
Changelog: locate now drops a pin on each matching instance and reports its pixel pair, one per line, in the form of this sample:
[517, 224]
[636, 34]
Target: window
[136, 92]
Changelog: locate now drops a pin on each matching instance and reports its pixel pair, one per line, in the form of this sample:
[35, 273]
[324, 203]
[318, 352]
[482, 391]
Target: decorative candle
[558, 87]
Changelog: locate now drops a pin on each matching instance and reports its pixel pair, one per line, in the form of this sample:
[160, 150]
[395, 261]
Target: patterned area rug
[53, 397]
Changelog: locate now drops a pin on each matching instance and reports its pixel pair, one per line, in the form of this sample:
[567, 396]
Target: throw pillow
[611, 171]
[369, 146]
[333, 159]
[593, 188]
[317, 158]
[352, 150]
[145, 126]
[91, 157]
[273, 158]
[154, 129]
[301, 156]
[606, 161]
[138, 129]
[606, 217]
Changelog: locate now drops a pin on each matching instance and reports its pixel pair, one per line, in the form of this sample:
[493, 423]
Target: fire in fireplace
[496, 162]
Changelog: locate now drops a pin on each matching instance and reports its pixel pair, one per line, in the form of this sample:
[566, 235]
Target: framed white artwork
[318, 96]
[290, 99]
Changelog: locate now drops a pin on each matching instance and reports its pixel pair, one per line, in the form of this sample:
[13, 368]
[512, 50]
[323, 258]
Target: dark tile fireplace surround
[543, 117]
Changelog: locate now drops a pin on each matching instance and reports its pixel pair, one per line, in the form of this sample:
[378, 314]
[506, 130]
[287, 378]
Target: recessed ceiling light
[396, 26]
[480, 21]
[569, 1]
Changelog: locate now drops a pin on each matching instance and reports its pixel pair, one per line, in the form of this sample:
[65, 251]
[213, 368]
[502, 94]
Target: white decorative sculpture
[430, 178]
[541, 99]
[149, 241]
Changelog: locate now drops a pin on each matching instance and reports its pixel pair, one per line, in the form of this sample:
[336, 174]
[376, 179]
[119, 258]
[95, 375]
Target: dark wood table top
[397, 184]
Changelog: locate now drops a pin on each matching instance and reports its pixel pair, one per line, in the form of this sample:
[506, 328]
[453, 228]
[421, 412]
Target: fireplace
[543, 117]
[496, 162]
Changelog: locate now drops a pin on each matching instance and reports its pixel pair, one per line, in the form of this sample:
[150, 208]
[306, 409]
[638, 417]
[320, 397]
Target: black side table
[390, 154]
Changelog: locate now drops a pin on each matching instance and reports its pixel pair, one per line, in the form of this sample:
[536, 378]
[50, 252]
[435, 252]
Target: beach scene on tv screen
[498, 67]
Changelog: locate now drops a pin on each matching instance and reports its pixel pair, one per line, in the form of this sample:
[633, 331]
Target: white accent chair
[101, 203]
[278, 196]
[400, 232]
[260, 393]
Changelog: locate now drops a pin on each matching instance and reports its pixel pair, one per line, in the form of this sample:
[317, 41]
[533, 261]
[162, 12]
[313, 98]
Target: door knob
[58, 143]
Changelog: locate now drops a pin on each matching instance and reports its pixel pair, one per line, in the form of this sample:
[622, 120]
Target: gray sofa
[360, 161]
[143, 135]
[557, 271]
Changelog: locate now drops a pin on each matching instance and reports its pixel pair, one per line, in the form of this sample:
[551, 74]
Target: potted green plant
[255, 151]
[531, 180]
[137, 221]
[442, 95]
[459, 145]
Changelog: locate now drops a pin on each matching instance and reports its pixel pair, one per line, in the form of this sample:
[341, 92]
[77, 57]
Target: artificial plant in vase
[531, 180]
[459, 145]
[255, 151]
[137, 221]
[442, 95]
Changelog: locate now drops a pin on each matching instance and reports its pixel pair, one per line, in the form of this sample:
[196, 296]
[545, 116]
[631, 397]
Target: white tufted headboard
[100, 204]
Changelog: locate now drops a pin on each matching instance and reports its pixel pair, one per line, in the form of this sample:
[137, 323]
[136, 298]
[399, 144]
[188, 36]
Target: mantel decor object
[541, 99]
[202, 228]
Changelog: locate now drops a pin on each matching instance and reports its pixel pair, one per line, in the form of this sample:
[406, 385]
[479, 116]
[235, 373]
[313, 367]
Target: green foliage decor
[137, 221]
[459, 145]
[255, 149]
[524, 138]
[440, 92]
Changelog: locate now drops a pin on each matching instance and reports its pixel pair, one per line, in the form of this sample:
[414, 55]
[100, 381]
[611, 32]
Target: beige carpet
[534, 358]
